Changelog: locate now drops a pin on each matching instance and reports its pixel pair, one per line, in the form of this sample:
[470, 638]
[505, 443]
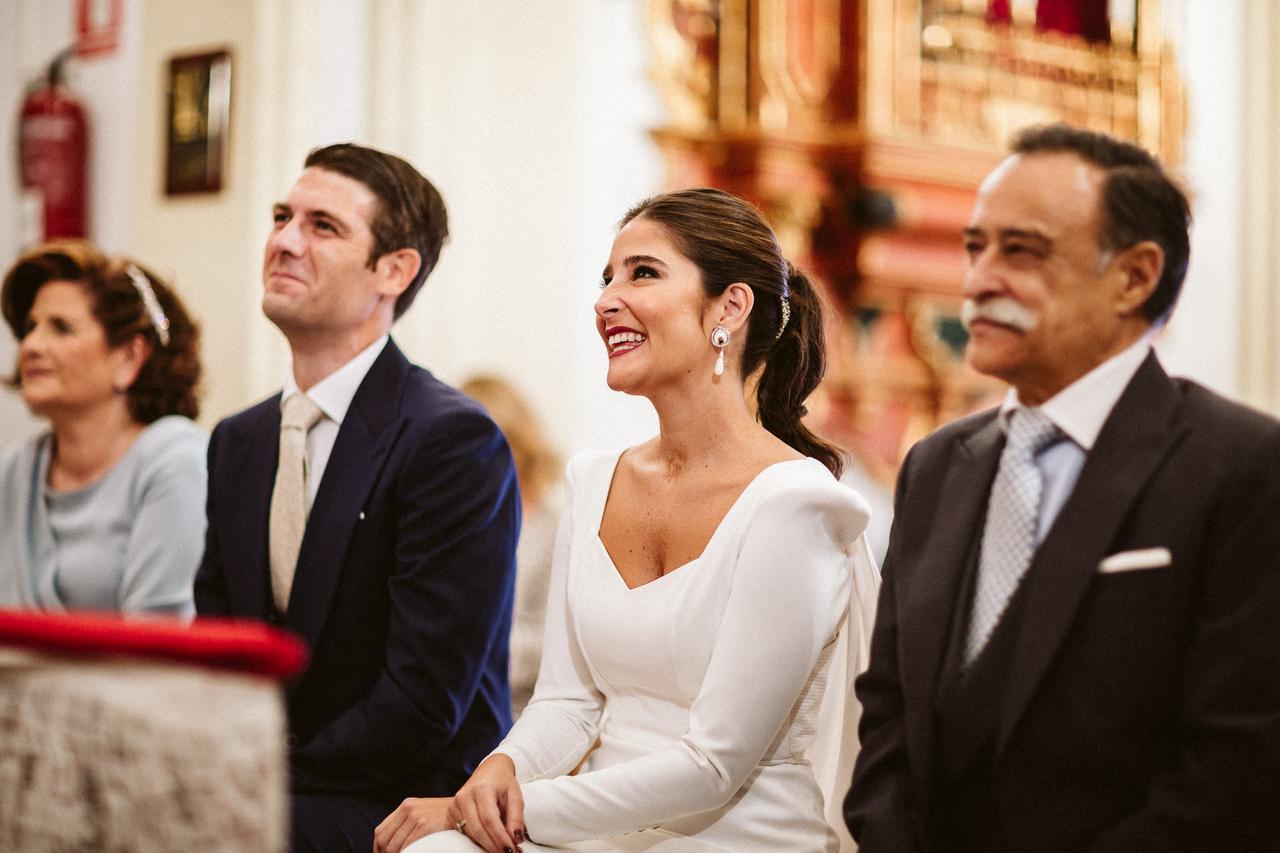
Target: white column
[1201, 340]
[1259, 340]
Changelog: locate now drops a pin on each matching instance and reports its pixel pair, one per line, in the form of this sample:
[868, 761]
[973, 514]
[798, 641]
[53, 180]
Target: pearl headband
[150, 304]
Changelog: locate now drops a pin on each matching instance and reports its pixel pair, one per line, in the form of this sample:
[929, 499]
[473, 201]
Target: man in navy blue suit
[369, 508]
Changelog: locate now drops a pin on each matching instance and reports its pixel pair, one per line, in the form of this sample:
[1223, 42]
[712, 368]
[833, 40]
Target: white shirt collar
[1080, 409]
[334, 393]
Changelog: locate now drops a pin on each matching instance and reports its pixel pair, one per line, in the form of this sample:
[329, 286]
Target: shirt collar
[334, 393]
[1080, 409]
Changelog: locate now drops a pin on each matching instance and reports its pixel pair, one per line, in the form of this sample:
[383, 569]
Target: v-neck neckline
[680, 569]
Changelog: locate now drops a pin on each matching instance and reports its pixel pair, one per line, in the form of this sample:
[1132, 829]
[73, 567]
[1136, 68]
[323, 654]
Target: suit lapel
[931, 599]
[368, 432]
[1140, 431]
[253, 448]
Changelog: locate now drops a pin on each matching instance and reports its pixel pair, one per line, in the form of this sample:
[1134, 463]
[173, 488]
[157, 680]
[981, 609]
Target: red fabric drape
[1089, 19]
[229, 644]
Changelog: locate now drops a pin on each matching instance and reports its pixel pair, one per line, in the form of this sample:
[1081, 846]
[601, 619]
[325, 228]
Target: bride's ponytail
[793, 367]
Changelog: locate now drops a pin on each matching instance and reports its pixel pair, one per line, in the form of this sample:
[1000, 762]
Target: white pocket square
[1130, 561]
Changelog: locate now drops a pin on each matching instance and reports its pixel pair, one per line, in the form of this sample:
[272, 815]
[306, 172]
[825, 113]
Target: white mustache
[998, 309]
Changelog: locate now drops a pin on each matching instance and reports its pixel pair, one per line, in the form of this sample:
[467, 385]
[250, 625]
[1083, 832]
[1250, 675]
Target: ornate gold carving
[862, 128]
[799, 50]
[686, 45]
[971, 82]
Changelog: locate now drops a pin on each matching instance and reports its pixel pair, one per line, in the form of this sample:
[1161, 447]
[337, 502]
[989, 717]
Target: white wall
[204, 243]
[534, 127]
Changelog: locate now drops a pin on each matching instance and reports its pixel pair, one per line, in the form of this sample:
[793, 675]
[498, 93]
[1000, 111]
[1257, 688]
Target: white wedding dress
[720, 693]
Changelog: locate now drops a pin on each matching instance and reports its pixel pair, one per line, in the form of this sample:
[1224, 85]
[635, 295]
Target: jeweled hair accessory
[786, 317]
[149, 302]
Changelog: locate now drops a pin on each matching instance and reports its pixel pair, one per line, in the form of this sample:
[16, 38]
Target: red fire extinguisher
[53, 153]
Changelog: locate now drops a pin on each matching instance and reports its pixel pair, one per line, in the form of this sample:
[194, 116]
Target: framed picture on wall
[199, 94]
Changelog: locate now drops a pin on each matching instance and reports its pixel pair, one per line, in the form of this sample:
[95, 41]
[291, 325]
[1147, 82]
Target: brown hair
[538, 465]
[728, 240]
[410, 214]
[1139, 201]
[167, 383]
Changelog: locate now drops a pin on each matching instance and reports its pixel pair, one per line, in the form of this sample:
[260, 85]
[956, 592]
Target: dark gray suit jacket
[1142, 708]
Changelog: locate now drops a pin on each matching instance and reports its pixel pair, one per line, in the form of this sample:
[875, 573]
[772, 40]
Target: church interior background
[860, 127]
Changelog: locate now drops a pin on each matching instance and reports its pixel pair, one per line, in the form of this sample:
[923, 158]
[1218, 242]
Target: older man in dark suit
[369, 508]
[1078, 639]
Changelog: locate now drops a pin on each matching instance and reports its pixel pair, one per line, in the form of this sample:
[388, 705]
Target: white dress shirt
[1079, 410]
[333, 395]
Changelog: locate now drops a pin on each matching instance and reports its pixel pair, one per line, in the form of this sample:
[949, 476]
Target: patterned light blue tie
[1009, 535]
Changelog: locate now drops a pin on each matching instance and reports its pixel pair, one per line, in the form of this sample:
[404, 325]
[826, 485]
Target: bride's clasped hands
[488, 809]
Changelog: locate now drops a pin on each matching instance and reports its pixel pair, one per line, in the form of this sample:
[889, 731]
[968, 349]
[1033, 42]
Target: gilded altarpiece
[862, 129]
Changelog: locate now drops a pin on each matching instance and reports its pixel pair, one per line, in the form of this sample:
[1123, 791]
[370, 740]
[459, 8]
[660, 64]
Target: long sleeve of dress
[789, 590]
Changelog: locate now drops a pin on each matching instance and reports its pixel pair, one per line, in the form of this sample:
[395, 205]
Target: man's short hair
[1139, 201]
[410, 213]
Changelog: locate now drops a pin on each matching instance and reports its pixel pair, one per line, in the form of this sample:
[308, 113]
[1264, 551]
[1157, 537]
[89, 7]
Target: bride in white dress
[712, 593]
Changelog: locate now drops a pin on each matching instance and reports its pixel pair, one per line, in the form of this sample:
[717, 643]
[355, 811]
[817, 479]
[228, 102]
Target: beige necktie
[289, 497]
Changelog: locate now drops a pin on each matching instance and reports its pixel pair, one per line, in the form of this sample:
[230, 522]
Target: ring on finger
[461, 826]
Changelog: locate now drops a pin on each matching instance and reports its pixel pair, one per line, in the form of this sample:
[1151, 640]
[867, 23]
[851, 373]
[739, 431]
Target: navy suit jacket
[403, 587]
[1142, 708]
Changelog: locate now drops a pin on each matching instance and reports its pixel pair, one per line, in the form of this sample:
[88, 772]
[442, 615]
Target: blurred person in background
[539, 471]
[105, 509]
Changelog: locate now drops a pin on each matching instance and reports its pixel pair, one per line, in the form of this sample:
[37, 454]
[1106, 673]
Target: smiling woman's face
[651, 312]
[64, 362]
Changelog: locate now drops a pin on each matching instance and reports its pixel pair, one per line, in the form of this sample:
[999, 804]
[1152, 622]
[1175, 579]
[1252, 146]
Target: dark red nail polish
[519, 834]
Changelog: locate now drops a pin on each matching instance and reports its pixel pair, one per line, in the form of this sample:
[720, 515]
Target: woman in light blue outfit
[105, 510]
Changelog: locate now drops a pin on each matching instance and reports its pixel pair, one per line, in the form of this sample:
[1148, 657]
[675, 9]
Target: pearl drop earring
[719, 340]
